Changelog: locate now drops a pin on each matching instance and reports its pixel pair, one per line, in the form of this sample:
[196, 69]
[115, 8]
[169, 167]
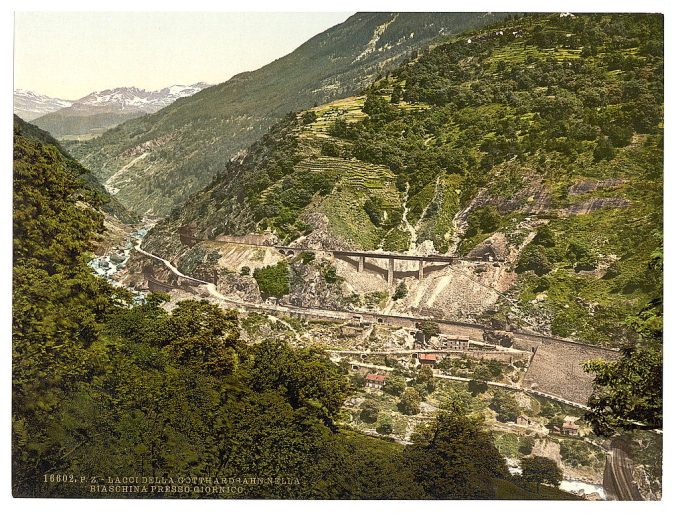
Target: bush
[377, 213]
[485, 219]
[526, 445]
[330, 275]
[604, 150]
[385, 427]
[425, 381]
[357, 380]
[477, 387]
[581, 255]
[505, 406]
[394, 385]
[330, 149]
[308, 117]
[541, 470]
[400, 292]
[409, 403]
[575, 453]
[245, 271]
[544, 236]
[274, 280]
[341, 129]
[369, 411]
[613, 270]
[542, 284]
[375, 105]
[429, 328]
[556, 421]
[307, 257]
[533, 258]
[548, 410]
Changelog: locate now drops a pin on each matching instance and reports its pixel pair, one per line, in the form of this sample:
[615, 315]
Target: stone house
[375, 381]
[430, 359]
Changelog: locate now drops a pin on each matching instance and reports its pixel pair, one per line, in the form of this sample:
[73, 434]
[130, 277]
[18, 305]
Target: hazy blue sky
[68, 55]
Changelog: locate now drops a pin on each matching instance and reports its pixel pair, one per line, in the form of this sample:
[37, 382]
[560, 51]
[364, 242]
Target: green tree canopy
[505, 405]
[452, 459]
[541, 470]
[627, 393]
[273, 280]
[409, 403]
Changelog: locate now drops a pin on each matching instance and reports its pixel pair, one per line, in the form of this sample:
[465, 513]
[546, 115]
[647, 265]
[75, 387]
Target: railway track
[619, 482]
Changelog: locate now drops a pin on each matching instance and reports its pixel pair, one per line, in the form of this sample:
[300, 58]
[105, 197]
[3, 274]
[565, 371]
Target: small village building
[523, 420]
[454, 342]
[375, 381]
[430, 359]
[569, 428]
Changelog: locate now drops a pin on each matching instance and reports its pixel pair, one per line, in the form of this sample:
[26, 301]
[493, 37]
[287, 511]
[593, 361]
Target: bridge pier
[390, 272]
[360, 265]
[421, 270]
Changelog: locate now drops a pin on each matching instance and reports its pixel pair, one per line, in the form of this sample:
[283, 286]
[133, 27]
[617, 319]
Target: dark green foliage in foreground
[91, 190]
[628, 394]
[443, 454]
[541, 470]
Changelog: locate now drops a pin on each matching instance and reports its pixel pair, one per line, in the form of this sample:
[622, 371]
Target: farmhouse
[375, 381]
[428, 358]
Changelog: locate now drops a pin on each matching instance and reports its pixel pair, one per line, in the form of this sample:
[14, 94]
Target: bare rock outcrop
[494, 248]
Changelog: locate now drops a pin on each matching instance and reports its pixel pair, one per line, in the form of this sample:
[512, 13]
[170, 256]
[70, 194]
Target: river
[572, 486]
[106, 266]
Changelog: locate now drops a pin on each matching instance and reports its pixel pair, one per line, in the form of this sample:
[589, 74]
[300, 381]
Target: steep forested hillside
[544, 132]
[157, 161]
[94, 190]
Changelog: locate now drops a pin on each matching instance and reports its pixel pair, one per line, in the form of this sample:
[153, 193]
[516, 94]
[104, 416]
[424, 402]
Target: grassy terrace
[348, 108]
[356, 181]
[520, 52]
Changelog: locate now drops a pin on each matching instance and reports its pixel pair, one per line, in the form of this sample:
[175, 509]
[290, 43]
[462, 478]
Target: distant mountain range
[97, 111]
[30, 105]
[156, 162]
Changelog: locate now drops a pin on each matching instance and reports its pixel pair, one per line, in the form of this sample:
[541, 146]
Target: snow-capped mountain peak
[130, 98]
[30, 105]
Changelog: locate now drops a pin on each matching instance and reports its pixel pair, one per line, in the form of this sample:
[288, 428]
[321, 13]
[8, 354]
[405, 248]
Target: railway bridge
[187, 235]
[362, 256]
